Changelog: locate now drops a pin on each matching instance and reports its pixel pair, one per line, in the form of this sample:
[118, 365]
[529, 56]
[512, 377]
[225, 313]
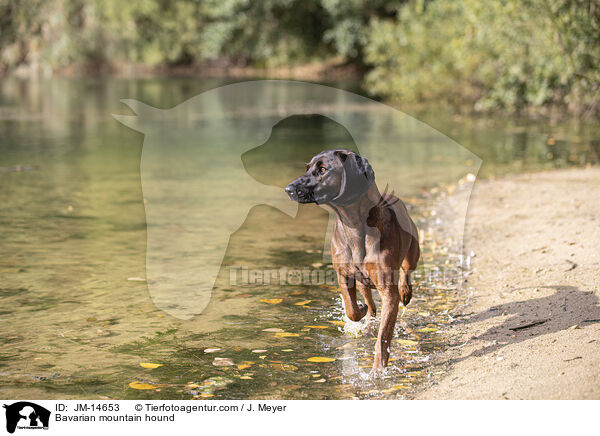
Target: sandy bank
[531, 328]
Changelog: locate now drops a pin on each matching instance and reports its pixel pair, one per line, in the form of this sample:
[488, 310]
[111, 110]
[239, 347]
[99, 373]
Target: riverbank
[329, 69]
[531, 325]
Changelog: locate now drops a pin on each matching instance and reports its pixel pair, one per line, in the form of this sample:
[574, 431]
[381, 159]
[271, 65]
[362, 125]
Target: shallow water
[77, 318]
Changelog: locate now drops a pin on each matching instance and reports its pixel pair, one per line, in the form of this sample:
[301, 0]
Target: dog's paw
[405, 295]
[363, 309]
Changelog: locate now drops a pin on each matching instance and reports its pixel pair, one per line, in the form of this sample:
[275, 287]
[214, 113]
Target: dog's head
[337, 177]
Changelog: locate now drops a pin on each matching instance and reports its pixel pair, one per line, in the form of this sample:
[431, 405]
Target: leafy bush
[494, 53]
[506, 54]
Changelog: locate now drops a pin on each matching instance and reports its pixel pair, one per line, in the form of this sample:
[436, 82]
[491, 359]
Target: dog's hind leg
[404, 286]
[365, 291]
[409, 264]
[354, 311]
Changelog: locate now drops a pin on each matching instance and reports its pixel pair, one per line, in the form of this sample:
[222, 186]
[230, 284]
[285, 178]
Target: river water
[78, 316]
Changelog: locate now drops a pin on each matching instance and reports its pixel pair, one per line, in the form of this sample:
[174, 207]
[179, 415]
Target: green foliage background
[508, 54]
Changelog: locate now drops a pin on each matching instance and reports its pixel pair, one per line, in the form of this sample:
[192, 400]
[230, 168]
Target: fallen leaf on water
[259, 351]
[262, 357]
[212, 350]
[223, 361]
[407, 342]
[302, 303]
[320, 359]
[273, 330]
[286, 335]
[206, 395]
[245, 377]
[211, 384]
[340, 323]
[284, 367]
[272, 300]
[321, 380]
[243, 366]
[428, 329]
[316, 375]
[288, 350]
[150, 365]
[142, 385]
[395, 388]
[316, 326]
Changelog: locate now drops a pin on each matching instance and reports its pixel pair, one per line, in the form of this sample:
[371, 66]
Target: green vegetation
[494, 53]
[508, 54]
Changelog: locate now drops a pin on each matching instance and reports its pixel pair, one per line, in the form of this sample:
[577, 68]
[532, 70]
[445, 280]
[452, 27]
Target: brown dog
[374, 244]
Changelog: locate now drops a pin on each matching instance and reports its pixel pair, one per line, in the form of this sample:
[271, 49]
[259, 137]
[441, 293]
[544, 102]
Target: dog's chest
[352, 250]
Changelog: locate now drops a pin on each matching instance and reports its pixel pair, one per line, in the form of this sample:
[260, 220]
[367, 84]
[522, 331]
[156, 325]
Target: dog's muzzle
[299, 193]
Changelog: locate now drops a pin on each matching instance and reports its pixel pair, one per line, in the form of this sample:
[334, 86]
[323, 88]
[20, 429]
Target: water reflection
[76, 315]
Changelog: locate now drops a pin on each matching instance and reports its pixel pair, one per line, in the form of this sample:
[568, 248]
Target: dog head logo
[198, 189]
[26, 415]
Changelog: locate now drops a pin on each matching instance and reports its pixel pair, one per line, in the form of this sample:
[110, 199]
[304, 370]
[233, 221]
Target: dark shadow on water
[531, 318]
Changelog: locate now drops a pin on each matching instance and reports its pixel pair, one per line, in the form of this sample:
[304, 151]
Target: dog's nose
[291, 191]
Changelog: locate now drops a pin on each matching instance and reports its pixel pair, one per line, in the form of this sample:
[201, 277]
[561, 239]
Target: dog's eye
[322, 170]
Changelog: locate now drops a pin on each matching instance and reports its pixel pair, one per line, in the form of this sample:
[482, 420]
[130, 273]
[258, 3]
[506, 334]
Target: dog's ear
[358, 176]
[357, 165]
[342, 154]
[364, 167]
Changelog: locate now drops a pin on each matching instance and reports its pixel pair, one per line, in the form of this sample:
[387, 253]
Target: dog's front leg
[368, 296]
[348, 290]
[389, 313]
